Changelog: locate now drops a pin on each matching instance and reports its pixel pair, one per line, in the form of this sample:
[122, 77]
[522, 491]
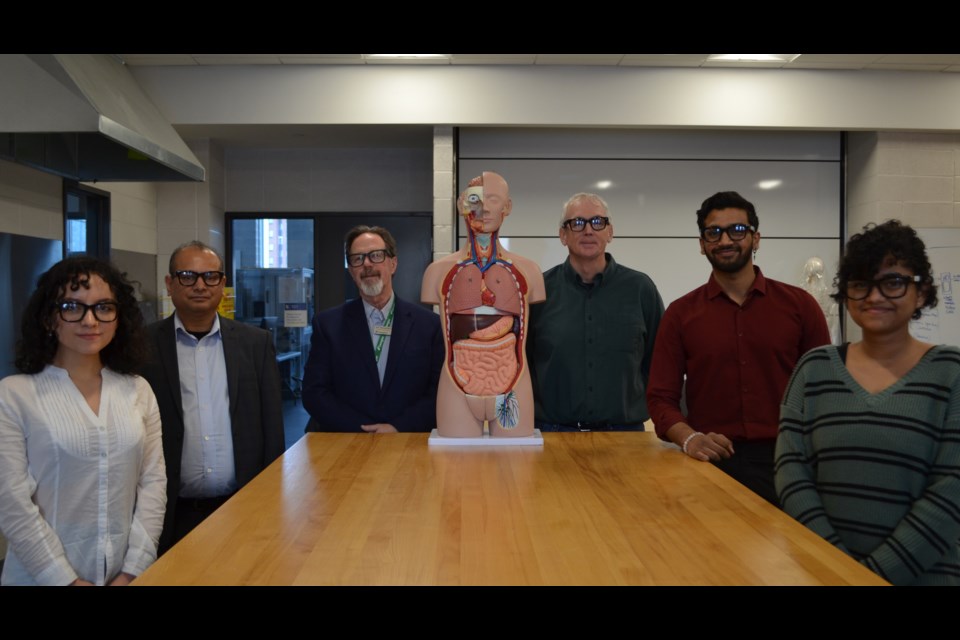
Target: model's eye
[473, 198]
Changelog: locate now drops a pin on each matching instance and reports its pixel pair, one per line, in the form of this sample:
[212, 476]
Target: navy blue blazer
[341, 387]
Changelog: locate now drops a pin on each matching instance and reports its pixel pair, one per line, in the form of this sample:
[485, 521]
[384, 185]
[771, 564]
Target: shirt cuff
[58, 574]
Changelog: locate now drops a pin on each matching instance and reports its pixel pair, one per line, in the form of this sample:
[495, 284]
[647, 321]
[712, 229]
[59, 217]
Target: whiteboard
[941, 325]
[675, 264]
[654, 181]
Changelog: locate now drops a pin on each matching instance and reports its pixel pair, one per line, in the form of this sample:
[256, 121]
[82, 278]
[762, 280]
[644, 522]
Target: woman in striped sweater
[868, 454]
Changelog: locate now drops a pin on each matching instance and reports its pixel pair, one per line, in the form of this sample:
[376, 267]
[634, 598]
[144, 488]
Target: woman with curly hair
[868, 454]
[82, 478]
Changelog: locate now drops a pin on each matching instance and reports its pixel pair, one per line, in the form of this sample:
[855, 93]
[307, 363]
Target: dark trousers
[191, 512]
[752, 466]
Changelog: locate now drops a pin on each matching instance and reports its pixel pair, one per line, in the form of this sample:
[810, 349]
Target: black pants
[191, 512]
[752, 466]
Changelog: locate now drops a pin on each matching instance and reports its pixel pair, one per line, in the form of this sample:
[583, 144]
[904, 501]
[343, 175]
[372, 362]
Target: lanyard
[377, 350]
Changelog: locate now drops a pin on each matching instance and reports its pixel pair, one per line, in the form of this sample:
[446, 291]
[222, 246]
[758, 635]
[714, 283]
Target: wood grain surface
[601, 508]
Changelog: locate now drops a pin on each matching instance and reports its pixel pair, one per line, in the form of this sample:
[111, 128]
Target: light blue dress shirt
[207, 465]
[376, 318]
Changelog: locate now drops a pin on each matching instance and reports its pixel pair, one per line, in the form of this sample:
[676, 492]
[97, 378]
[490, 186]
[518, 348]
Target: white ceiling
[945, 62]
[311, 136]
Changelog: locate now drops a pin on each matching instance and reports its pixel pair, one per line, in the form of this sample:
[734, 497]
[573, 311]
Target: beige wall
[133, 215]
[191, 210]
[914, 177]
[444, 192]
[31, 202]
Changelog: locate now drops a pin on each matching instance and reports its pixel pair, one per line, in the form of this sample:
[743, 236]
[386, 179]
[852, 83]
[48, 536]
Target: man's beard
[372, 289]
[732, 266]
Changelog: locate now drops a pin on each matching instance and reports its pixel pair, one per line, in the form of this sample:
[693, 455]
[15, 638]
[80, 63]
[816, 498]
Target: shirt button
[590, 341]
[743, 362]
[206, 437]
[740, 334]
[589, 317]
[209, 470]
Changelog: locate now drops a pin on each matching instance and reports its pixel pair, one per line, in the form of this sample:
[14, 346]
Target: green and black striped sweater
[878, 475]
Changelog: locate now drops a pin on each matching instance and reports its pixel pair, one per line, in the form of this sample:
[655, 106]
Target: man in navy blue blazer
[374, 362]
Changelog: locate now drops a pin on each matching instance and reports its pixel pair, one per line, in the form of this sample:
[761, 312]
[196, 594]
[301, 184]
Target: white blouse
[81, 495]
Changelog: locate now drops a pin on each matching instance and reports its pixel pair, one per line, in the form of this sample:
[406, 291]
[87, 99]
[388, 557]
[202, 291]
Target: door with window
[286, 267]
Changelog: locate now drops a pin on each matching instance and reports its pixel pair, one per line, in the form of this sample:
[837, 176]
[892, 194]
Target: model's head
[880, 246]
[371, 254]
[83, 305]
[485, 202]
[726, 200]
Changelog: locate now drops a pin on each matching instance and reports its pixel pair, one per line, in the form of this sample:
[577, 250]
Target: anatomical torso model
[484, 293]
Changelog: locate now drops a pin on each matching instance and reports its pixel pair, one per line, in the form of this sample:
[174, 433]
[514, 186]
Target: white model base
[536, 440]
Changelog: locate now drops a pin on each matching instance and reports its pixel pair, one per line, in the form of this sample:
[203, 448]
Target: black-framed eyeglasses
[597, 223]
[891, 287]
[376, 257]
[74, 311]
[189, 278]
[734, 231]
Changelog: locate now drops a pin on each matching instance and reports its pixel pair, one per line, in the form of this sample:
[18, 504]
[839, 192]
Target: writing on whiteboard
[929, 327]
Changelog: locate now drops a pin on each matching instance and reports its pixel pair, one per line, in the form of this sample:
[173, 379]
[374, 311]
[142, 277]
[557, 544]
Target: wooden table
[598, 508]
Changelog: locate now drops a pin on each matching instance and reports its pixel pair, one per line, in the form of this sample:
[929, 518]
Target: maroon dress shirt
[737, 359]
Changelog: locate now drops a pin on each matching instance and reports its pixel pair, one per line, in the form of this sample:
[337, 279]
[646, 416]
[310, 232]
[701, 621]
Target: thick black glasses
[734, 232]
[73, 311]
[597, 223]
[376, 257]
[891, 287]
[189, 278]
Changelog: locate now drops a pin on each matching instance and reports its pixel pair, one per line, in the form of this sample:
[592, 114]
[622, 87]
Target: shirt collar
[759, 285]
[368, 308]
[181, 330]
[574, 277]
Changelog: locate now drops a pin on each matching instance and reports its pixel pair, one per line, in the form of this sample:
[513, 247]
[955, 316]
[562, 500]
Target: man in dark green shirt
[591, 342]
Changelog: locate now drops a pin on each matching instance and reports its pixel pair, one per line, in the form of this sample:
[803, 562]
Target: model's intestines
[484, 315]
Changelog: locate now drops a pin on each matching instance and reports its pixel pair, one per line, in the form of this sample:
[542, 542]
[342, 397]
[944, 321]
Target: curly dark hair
[727, 200]
[880, 245]
[38, 344]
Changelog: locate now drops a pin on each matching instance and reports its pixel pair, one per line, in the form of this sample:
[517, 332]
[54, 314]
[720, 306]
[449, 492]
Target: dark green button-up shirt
[590, 345]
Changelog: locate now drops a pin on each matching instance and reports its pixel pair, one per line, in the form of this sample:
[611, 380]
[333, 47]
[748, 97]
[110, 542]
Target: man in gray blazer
[218, 388]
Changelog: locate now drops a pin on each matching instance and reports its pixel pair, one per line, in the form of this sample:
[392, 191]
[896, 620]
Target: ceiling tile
[157, 59]
[920, 58]
[237, 58]
[500, 58]
[579, 58]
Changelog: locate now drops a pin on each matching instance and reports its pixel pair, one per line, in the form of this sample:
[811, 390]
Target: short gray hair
[583, 195]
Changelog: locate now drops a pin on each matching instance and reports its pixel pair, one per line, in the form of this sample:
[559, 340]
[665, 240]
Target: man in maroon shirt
[736, 339]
